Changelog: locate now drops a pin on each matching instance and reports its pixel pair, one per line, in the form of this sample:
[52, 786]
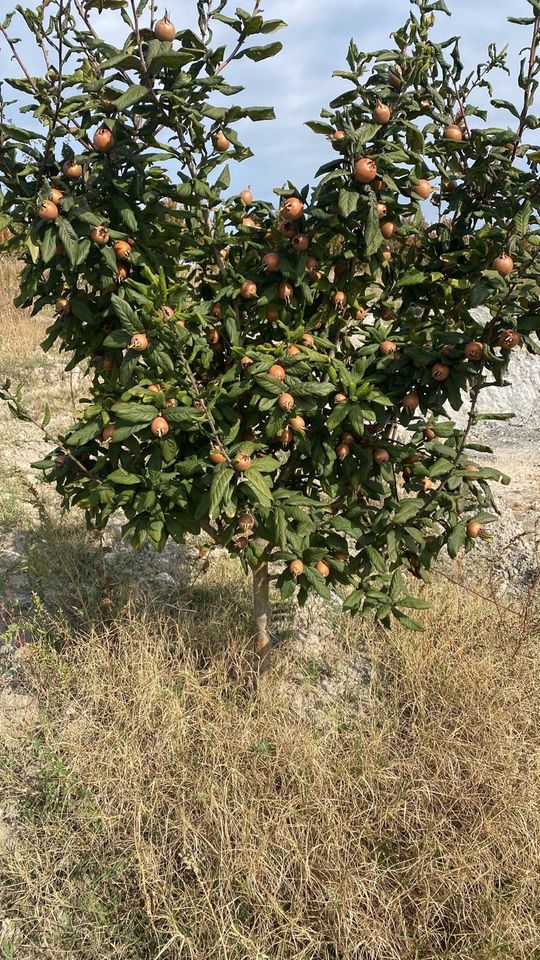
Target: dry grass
[169, 814]
[21, 334]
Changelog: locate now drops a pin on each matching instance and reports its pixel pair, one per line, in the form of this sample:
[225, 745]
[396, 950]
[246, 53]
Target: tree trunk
[261, 617]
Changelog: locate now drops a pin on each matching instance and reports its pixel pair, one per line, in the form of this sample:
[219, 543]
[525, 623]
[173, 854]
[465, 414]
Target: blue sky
[298, 82]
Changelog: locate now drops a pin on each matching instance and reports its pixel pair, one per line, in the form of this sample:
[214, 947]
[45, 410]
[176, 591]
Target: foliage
[184, 348]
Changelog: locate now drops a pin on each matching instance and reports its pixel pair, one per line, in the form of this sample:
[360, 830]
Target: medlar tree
[252, 367]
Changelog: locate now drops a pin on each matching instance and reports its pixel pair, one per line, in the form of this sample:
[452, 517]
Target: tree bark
[261, 617]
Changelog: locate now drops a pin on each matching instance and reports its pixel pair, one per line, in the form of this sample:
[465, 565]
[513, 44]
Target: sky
[298, 81]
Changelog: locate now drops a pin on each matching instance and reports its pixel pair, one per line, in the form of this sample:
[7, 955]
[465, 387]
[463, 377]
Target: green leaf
[135, 412]
[406, 621]
[376, 559]
[83, 434]
[521, 220]
[317, 581]
[374, 237]
[48, 245]
[222, 476]
[118, 338]
[261, 53]
[412, 278]
[347, 201]
[256, 485]
[133, 94]
[457, 539]
[272, 26]
[123, 478]
[407, 510]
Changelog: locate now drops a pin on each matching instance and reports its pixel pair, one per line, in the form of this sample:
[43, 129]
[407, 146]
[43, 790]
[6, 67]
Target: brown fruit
[216, 311]
[450, 186]
[103, 140]
[382, 210]
[395, 76]
[471, 468]
[287, 436]
[347, 438]
[285, 401]
[339, 299]
[241, 462]
[440, 372]
[377, 184]
[296, 568]
[55, 195]
[248, 222]
[122, 250]
[411, 400]
[216, 456]
[285, 290]
[122, 271]
[109, 363]
[300, 242]
[72, 170]
[381, 456]
[365, 170]
[503, 264]
[322, 568]
[165, 30]
[272, 314]
[159, 427]
[292, 350]
[429, 433]
[245, 521]
[387, 254]
[341, 557]
[427, 484]
[292, 209]
[246, 196]
[139, 342]
[474, 351]
[387, 314]
[270, 262]
[154, 388]
[474, 529]
[387, 348]
[108, 431]
[246, 362]
[338, 135]
[360, 314]
[99, 235]
[342, 451]
[508, 339]
[167, 312]
[221, 144]
[453, 132]
[382, 113]
[213, 337]
[287, 229]
[248, 290]
[298, 424]
[312, 265]
[277, 371]
[422, 189]
[340, 398]
[47, 210]
[307, 340]
[62, 306]
[387, 229]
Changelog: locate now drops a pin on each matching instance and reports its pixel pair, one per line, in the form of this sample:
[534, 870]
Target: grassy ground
[151, 806]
